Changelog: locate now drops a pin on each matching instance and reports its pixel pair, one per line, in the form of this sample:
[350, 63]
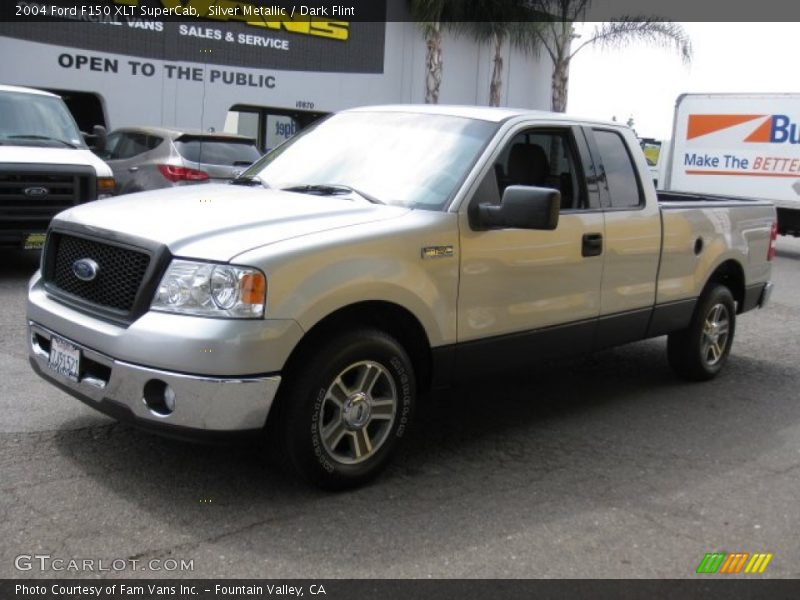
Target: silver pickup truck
[382, 253]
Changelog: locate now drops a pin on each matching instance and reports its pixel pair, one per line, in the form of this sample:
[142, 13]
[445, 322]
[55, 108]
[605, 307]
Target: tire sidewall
[714, 296]
[303, 441]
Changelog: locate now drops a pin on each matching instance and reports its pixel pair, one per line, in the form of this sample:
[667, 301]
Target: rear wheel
[699, 352]
[346, 408]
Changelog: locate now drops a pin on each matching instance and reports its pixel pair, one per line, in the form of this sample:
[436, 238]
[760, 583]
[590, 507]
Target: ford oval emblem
[85, 269]
[36, 192]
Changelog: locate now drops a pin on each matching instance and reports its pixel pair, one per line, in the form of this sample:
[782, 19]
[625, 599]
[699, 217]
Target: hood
[31, 155]
[217, 221]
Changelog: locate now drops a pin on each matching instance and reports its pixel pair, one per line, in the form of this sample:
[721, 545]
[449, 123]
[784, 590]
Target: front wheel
[347, 407]
[699, 352]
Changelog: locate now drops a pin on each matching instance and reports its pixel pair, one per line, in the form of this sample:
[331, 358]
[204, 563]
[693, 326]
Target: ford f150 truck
[45, 165]
[381, 253]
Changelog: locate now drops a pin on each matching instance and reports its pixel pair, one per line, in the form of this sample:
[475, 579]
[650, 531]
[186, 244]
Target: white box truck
[739, 145]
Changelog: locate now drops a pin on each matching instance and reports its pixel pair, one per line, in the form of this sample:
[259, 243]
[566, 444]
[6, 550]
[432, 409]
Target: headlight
[210, 290]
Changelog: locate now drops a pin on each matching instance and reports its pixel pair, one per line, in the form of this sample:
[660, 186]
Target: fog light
[169, 398]
[159, 397]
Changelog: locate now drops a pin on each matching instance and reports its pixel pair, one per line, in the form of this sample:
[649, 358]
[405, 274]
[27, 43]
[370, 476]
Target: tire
[699, 352]
[345, 409]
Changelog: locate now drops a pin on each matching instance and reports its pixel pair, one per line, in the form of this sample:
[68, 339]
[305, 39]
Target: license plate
[65, 358]
[34, 241]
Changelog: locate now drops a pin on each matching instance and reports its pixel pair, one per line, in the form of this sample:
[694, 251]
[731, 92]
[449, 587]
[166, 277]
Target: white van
[45, 165]
[739, 145]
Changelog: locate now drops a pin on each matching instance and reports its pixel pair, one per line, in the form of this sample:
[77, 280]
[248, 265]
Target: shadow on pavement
[549, 444]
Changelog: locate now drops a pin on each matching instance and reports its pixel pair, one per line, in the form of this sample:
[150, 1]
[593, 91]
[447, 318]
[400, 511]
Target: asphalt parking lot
[605, 466]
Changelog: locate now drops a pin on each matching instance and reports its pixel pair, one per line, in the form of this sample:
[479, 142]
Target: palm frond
[628, 30]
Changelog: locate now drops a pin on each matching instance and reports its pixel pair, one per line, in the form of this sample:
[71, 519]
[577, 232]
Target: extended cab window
[620, 175]
[542, 158]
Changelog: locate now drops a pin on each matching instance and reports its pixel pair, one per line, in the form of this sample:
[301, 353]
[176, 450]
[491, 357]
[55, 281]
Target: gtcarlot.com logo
[46, 562]
[734, 562]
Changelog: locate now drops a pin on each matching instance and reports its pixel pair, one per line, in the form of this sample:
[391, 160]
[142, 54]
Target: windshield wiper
[249, 181]
[40, 137]
[331, 189]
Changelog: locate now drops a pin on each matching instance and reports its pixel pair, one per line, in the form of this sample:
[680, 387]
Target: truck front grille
[120, 274]
[31, 196]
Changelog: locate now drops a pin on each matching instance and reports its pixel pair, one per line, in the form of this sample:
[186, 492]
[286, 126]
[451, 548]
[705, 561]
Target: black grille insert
[31, 196]
[49, 188]
[119, 276]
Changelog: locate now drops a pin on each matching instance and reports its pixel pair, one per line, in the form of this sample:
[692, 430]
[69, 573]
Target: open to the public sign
[34, 241]
[65, 358]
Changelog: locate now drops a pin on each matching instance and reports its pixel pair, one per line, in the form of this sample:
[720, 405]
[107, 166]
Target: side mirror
[98, 139]
[522, 207]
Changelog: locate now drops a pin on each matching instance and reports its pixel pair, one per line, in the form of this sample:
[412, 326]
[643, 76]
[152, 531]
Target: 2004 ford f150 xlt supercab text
[383, 252]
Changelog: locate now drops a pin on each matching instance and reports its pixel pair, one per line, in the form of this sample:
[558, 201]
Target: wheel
[346, 408]
[699, 352]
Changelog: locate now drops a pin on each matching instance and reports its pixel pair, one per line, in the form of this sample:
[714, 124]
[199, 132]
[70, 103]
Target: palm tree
[487, 20]
[432, 16]
[560, 42]
[495, 22]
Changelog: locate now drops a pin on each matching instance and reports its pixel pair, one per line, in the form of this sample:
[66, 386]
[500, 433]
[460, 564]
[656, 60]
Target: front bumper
[117, 388]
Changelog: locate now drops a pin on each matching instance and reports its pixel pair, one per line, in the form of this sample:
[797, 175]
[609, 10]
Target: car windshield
[406, 159]
[37, 120]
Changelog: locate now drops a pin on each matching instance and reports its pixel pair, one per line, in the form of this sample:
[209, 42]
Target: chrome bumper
[212, 404]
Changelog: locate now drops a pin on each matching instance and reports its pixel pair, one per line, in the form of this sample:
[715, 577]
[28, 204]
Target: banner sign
[245, 34]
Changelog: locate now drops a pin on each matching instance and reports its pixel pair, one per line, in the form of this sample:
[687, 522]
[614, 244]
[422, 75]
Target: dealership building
[254, 75]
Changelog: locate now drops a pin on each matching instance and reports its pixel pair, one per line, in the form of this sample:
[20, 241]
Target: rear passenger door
[632, 236]
[525, 293]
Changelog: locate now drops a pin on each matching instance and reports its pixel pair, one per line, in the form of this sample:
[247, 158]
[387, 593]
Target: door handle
[592, 244]
[133, 169]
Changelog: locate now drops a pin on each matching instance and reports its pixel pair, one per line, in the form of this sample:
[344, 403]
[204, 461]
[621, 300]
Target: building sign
[211, 32]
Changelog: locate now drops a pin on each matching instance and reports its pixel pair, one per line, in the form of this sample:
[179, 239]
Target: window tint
[620, 180]
[130, 144]
[542, 159]
[218, 152]
[112, 141]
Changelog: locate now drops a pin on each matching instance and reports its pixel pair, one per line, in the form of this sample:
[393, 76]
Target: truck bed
[686, 199]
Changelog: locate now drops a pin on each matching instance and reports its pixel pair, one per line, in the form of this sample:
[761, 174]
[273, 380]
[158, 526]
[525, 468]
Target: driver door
[526, 293]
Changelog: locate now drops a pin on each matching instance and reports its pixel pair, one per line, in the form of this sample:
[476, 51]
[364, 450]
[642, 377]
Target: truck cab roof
[484, 113]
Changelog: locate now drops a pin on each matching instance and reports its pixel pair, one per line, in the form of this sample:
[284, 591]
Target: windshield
[406, 159]
[35, 120]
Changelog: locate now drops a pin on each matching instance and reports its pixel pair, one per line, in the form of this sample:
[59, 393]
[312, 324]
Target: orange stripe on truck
[742, 173]
[762, 133]
[705, 124]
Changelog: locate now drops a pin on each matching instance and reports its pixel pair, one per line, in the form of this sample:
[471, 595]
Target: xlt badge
[437, 252]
